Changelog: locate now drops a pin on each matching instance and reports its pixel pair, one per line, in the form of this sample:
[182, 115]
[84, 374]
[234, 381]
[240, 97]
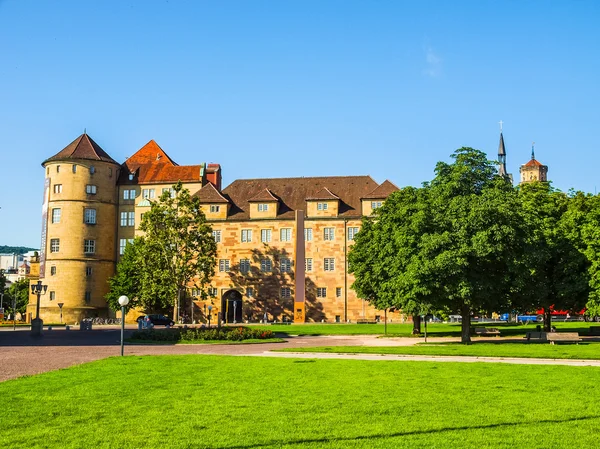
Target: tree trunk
[547, 320]
[465, 336]
[416, 324]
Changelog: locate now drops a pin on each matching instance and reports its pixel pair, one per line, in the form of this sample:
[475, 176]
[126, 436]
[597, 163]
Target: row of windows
[284, 292]
[88, 271]
[285, 234]
[92, 170]
[89, 215]
[266, 265]
[147, 194]
[90, 189]
[89, 246]
[87, 297]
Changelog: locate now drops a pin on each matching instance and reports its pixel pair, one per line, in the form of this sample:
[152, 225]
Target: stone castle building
[282, 242]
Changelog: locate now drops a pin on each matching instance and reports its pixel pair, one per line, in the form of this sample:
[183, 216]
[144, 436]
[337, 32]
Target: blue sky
[296, 88]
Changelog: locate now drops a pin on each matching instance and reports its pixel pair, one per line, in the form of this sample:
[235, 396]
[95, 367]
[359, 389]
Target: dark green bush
[239, 333]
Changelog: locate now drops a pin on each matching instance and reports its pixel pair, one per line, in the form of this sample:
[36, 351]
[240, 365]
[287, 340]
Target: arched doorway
[231, 306]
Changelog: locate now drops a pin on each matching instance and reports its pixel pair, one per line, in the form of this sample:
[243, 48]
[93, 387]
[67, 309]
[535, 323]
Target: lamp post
[123, 301]
[60, 306]
[234, 311]
[209, 314]
[36, 324]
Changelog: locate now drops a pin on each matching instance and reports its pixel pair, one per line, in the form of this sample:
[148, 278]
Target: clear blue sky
[296, 88]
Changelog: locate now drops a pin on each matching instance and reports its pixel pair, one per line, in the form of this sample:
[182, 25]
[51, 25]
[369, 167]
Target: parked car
[157, 319]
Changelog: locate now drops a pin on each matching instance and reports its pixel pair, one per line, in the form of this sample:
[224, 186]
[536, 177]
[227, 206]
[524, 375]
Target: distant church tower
[533, 170]
[502, 157]
[79, 220]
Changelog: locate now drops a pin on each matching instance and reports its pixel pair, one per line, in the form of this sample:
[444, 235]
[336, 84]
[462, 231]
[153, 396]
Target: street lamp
[209, 314]
[123, 301]
[37, 324]
[60, 306]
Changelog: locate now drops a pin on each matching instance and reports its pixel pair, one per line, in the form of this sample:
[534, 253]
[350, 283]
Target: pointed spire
[501, 155]
[533, 151]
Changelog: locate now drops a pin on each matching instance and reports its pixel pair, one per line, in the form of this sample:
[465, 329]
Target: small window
[249, 292]
[89, 216]
[58, 169]
[110, 172]
[88, 271]
[215, 208]
[148, 194]
[265, 235]
[285, 265]
[170, 190]
[244, 266]
[92, 169]
[308, 234]
[285, 235]
[246, 235]
[90, 189]
[329, 264]
[213, 291]
[126, 194]
[338, 292]
[131, 176]
[122, 244]
[328, 234]
[375, 204]
[308, 265]
[52, 270]
[265, 265]
[129, 194]
[263, 207]
[52, 296]
[56, 215]
[321, 292]
[322, 206]
[223, 265]
[352, 233]
[54, 245]
[131, 218]
[57, 188]
[48, 171]
[286, 292]
[217, 236]
[88, 297]
[89, 246]
[74, 168]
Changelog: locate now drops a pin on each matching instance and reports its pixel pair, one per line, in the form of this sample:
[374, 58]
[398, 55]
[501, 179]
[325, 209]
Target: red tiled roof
[382, 192]
[263, 195]
[209, 194]
[533, 163]
[323, 194]
[82, 148]
[151, 165]
[293, 192]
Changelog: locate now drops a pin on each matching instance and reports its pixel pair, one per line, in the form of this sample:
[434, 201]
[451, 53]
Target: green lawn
[251, 402]
[405, 330]
[506, 349]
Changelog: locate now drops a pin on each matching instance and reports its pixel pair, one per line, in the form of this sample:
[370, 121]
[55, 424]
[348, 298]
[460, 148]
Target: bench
[365, 321]
[536, 336]
[563, 337]
[485, 331]
[595, 330]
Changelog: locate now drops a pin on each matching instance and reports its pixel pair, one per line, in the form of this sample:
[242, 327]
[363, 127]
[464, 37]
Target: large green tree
[18, 291]
[177, 250]
[587, 209]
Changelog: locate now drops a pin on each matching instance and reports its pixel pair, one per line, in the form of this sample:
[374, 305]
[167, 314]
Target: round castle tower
[78, 251]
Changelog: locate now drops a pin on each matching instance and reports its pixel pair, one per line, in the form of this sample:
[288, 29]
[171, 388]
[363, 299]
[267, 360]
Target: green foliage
[239, 333]
[5, 249]
[176, 251]
[19, 290]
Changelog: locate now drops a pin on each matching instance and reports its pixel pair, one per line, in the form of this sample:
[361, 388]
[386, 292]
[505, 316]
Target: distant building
[533, 170]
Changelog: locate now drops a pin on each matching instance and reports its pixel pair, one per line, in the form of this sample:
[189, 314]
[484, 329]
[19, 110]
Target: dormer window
[131, 176]
[215, 208]
[263, 207]
[322, 206]
[375, 204]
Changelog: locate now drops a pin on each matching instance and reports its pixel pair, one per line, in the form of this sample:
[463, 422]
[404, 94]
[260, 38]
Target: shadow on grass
[410, 433]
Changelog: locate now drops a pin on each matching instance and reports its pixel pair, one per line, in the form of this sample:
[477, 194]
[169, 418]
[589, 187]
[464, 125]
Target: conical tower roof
[501, 149]
[83, 147]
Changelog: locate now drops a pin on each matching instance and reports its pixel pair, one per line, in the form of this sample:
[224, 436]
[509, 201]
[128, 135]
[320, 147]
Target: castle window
[265, 265]
[148, 194]
[338, 292]
[285, 265]
[122, 244]
[88, 297]
[265, 235]
[57, 188]
[54, 245]
[375, 204]
[90, 189]
[52, 271]
[322, 206]
[131, 218]
[308, 264]
[88, 271]
[89, 246]
[56, 215]
[244, 266]
[129, 194]
[328, 233]
[263, 207]
[329, 264]
[246, 235]
[92, 169]
[58, 169]
[52, 296]
[213, 291]
[352, 233]
[249, 292]
[286, 292]
[321, 292]
[89, 216]
[223, 265]
[285, 235]
[170, 190]
[214, 208]
[74, 168]
[308, 234]
[123, 218]
[217, 236]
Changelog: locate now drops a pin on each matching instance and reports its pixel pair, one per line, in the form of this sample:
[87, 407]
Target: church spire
[501, 155]
[532, 151]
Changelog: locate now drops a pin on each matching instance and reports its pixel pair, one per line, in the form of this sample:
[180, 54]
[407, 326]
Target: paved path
[21, 354]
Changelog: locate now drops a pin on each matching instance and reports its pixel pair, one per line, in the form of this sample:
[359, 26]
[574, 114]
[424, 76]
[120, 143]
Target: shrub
[239, 333]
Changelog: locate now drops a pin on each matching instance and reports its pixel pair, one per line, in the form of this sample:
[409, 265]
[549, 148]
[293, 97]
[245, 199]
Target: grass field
[588, 351]
[247, 402]
[405, 330]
